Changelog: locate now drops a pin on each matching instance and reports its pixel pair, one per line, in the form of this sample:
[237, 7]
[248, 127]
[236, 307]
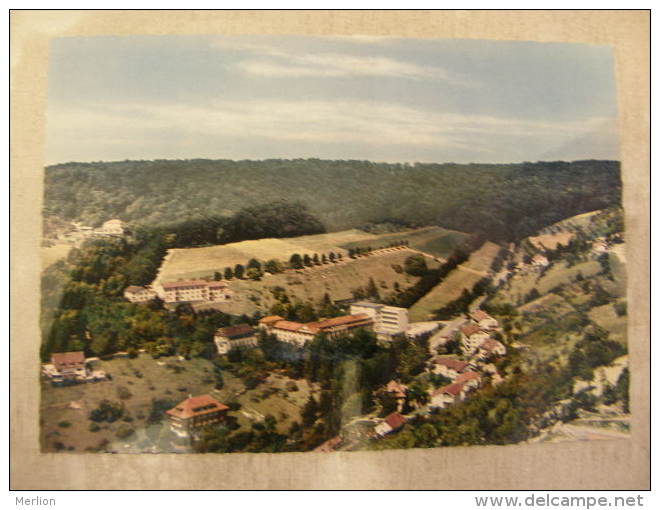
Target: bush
[64, 424]
[107, 411]
[291, 387]
[123, 393]
[93, 427]
[124, 431]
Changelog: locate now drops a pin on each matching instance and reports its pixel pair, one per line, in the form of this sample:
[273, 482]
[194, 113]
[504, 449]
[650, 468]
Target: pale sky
[380, 99]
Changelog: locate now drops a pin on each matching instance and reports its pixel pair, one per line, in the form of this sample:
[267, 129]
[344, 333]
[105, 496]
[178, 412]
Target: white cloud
[265, 60]
[308, 123]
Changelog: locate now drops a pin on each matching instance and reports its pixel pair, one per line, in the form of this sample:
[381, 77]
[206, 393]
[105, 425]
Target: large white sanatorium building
[388, 320]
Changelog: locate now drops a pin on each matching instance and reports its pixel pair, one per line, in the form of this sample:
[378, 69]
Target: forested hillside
[505, 202]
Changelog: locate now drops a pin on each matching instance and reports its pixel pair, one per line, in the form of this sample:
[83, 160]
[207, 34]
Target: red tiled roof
[470, 329]
[468, 376]
[479, 315]
[343, 320]
[134, 288]
[452, 389]
[236, 331]
[67, 358]
[196, 406]
[395, 420]
[490, 344]
[213, 285]
[288, 325]
[270, 319]
[187, 283]
[455, 364]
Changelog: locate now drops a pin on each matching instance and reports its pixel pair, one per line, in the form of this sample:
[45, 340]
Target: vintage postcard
[321, 243]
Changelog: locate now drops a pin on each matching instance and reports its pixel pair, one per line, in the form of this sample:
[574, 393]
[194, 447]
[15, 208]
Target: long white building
[193, 291]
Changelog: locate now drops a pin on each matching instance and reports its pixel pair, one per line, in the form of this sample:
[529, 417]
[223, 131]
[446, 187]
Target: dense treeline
[505, 202]
[274, 219]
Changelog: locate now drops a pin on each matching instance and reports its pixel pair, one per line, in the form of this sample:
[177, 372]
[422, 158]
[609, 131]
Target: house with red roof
[491, 348]
[391, 423]
[483, 320]
[471, 337]
[69, 365]
[449, 367]
[471, 379]
[194, 413]
[448, 395]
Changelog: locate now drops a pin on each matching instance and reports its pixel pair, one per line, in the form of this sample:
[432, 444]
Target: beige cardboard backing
[622, 464]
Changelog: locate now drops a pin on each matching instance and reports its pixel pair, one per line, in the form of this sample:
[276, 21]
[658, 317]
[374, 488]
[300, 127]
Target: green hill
[506, 202]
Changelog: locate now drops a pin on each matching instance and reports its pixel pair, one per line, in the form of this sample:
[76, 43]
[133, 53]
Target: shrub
[93, 427]
[123, 393]
[291, 386]
[124, 431]
[64, 424]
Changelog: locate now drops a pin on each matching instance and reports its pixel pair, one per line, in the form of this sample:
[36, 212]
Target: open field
[463, 277]
[65, 410]
[310, 284]
[551, 241]
[607, 318]
[435, 241]
[188, 263]
[521, 284]
[51, 254]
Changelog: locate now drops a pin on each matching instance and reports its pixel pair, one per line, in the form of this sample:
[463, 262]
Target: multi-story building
[388, 320]
[472, 336]
[192, 291]
[194, 413]
[298, 333]
[136, 294]
[233, 337]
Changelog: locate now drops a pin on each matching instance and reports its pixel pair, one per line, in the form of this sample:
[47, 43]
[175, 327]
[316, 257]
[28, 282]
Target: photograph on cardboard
[296, 243]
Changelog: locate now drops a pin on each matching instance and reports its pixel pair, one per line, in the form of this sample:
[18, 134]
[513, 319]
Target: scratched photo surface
[305, 243]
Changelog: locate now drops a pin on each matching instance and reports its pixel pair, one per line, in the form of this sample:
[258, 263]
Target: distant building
[194, 413]
[419, 329]
[298, 333]
[192, 291]
[397, 391]
[232, 337]
[69, 365]
[539, 260]
[483, 320]
[136, 294]
[448, 395]
[469, 379]
[490, 348]
[449, 367]
[388, 320]
[391, 423]
[113, 228]
[472, 337]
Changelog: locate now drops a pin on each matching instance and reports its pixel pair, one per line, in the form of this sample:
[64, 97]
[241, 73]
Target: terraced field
[190, 263]
[463, 277]
[310, 284]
